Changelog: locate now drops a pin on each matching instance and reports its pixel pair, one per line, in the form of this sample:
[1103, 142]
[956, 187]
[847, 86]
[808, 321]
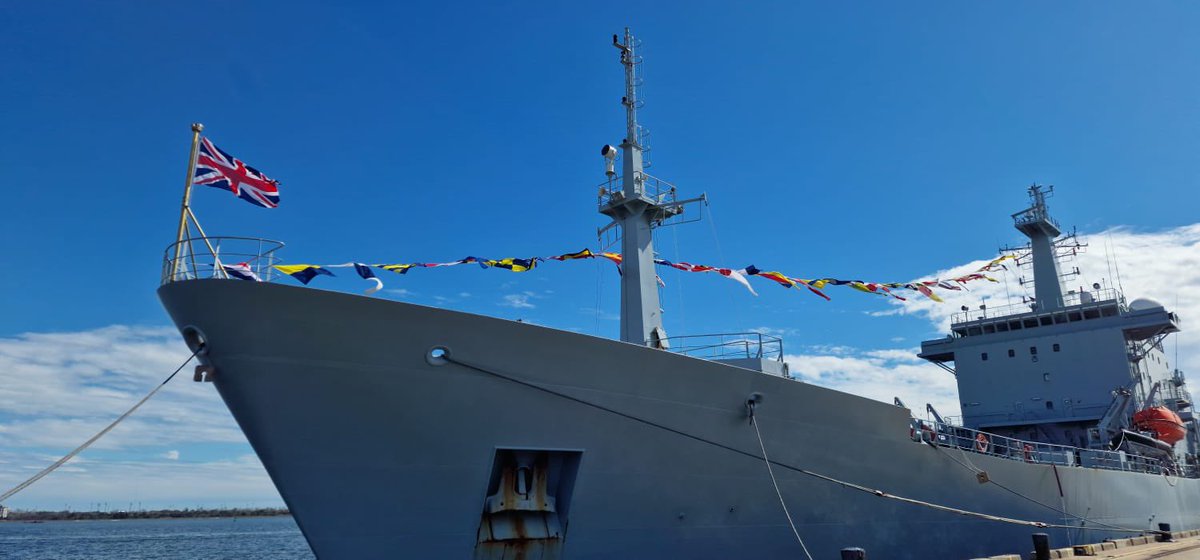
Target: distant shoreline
[27, 516]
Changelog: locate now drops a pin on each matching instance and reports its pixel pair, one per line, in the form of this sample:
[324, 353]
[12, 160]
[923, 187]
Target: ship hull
[380, 453]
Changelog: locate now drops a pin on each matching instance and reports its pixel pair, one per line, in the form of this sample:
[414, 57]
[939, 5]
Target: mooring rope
[842, 483]
[99, 435]
[976, 470]
[778, 492]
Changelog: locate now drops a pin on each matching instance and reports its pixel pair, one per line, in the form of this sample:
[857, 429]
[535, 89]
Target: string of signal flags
[214, 167]
[305, 273]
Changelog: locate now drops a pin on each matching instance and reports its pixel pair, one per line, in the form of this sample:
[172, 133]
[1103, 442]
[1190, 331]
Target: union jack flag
[216, 168]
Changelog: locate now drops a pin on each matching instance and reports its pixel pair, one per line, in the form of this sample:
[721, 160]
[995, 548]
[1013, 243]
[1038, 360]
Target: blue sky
[871, 141]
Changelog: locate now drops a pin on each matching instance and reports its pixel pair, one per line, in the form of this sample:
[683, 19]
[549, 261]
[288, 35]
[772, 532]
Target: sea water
[226, 537]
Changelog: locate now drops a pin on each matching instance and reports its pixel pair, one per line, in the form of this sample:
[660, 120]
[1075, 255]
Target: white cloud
[517, 301]
[772, 331]
[881, 375]
[61, 386]
[59, 389]
[1163, 265]
[235, 481]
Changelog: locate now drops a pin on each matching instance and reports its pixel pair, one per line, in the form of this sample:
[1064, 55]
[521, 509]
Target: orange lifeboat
[1161, 420]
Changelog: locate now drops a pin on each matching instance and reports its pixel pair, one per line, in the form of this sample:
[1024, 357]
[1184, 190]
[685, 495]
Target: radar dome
[1142, 304]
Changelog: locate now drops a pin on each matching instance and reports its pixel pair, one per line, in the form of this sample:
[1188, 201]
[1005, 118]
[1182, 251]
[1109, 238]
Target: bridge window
[1057, 347]
[1012, 353]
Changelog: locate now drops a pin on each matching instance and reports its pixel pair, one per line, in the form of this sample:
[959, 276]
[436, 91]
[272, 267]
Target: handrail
[1071, 302]
[203, 257]
[658, 190]
[728, 346]
[967, 439]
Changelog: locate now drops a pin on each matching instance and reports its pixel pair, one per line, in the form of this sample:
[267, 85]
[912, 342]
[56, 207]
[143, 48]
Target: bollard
[854, 554]
[1164, 533]
[1041, 546]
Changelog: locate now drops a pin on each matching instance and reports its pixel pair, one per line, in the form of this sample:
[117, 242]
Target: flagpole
[185, 210]
[207, 243]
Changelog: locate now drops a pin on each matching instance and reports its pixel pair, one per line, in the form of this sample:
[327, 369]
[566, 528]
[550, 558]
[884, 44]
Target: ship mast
[1035, 222]
[637, 203]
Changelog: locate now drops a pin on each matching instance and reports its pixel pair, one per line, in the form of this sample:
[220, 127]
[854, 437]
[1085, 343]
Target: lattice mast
[1035, 222]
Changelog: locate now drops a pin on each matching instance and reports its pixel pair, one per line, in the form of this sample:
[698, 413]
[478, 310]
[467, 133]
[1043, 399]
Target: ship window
[1033, 350]
[1056, 347]
[983, 356]
[1012, 353]
[1046, 377]
[1049, 405]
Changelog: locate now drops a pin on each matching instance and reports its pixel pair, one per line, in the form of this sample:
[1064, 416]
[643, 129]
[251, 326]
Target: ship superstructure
[395, 430]
[1065, 369]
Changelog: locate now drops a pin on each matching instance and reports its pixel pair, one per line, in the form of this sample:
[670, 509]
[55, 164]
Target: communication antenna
[1108, 258]
[1117, 266]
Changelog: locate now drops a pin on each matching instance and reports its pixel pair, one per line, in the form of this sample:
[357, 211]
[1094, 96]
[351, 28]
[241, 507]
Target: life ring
[981, 443]
[1028, 449]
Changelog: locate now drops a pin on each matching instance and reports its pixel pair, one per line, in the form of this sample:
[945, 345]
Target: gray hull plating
[380, 454]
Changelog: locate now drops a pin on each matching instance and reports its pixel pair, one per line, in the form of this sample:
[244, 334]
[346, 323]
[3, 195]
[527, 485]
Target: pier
[1182, 545]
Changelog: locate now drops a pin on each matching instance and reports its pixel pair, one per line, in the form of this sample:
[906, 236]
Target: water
[246, 537]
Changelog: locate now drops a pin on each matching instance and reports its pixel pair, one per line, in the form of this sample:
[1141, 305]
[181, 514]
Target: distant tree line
[22, 515]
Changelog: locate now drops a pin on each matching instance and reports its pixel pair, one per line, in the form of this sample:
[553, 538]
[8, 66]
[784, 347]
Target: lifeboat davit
[1163, 421]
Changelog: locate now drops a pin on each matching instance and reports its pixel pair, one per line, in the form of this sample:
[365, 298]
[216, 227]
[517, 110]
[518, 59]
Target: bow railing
[220, 257]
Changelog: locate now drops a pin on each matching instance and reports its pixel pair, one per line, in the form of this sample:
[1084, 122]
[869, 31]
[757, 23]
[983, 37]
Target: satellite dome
[1142, 304]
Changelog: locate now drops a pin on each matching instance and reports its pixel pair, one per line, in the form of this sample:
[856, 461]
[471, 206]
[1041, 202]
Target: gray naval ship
[395, 430]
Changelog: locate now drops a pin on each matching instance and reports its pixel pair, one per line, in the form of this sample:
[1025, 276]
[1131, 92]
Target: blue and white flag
[368, 274]
[241, 271]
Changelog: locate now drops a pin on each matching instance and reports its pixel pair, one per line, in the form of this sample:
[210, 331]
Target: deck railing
[727, 346]
[1084, 300]
[658, 190]
[208, 257]
[984, 443]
